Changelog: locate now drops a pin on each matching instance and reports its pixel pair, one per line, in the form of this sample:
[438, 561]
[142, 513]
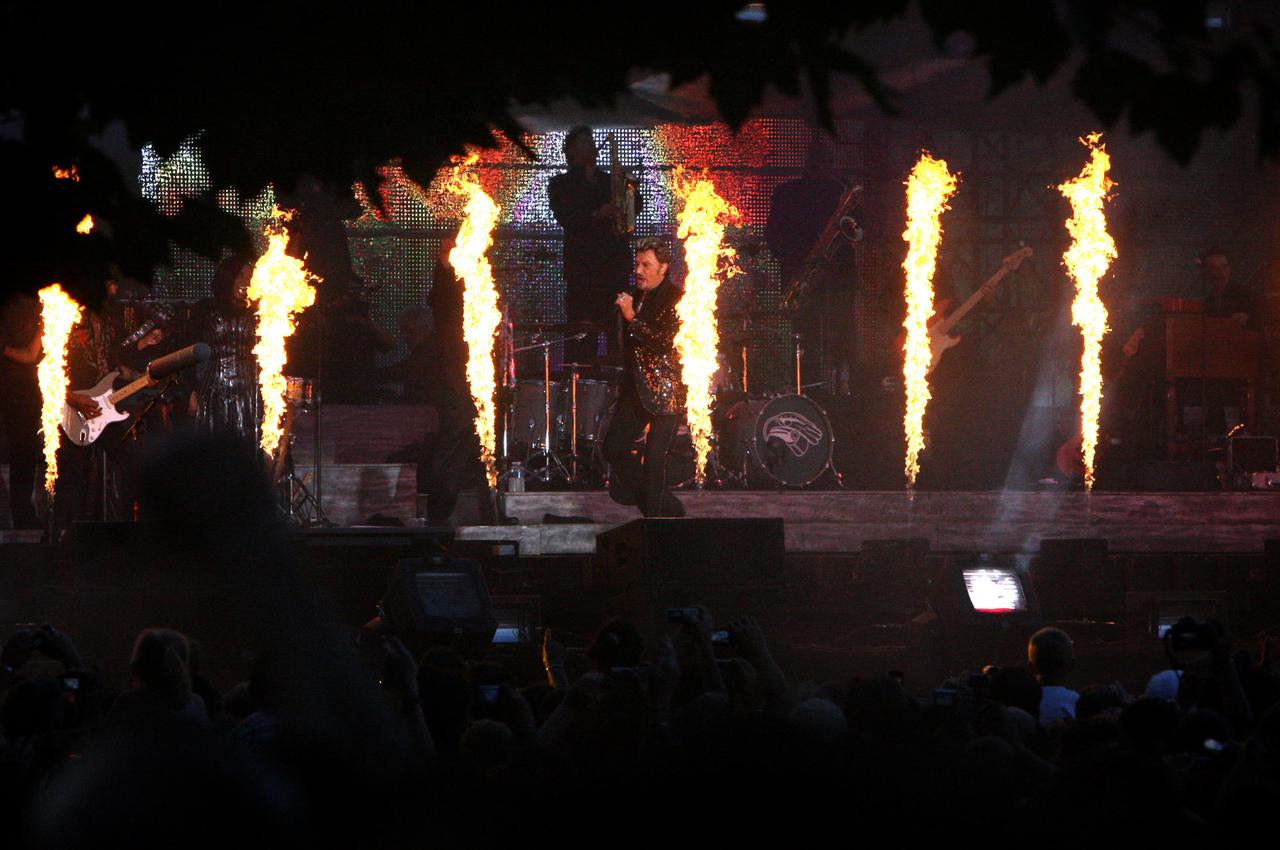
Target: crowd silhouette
[344, 736]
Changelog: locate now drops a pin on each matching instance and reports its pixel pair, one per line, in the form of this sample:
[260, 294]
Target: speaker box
[733, 567]
[1075, 580]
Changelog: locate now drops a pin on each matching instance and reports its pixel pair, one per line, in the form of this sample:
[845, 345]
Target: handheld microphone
[180, 359]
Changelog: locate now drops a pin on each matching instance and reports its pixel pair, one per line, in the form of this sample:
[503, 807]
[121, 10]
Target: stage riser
[353, 492]
[996, 522]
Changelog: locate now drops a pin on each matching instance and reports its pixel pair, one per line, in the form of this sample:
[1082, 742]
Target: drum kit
[554, 425]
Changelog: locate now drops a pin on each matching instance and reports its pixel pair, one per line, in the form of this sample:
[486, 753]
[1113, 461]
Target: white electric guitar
[940, 338]
[82, 431]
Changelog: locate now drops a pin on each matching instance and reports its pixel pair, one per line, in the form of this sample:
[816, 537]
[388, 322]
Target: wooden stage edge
[839, 522]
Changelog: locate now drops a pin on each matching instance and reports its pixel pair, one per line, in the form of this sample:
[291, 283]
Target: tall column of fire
[480, 314]
[701, 220]
[1091, 252]
[928, 189]
[280, 289]
[59, 313]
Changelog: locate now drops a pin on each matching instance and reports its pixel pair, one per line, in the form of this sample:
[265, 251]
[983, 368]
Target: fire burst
[59, 313]
[480, 314]
[928, 189]
[1091, 252]
[85, 225]
[280, 288]
[702, 220]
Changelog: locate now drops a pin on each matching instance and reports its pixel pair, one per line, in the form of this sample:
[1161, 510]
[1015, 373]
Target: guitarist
[80, 493]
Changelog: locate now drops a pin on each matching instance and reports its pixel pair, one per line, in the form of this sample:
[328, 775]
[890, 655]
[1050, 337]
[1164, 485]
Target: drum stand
[301, 506]
[548, 454]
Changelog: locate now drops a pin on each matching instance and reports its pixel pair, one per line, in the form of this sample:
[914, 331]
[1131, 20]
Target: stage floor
[839, 522]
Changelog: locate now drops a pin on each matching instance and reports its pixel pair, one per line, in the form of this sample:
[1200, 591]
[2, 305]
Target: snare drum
[786, 439]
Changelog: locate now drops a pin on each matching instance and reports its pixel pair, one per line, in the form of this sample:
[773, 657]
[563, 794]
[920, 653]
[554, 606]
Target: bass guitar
[940, 338]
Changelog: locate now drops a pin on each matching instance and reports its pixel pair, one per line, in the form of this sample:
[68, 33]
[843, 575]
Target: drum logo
[797, 432]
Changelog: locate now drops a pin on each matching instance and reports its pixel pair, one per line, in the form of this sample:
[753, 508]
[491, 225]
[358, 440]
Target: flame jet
[928, 189]
[480, 314]
[702, 219]
[59, 313]
[1087, 259]
[280, 289]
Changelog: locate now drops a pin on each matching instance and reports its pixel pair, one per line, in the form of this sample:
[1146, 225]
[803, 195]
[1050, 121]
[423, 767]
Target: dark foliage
[282, 90]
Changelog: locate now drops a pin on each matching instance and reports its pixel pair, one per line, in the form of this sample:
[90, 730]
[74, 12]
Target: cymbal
[560, 327]
[734, 340]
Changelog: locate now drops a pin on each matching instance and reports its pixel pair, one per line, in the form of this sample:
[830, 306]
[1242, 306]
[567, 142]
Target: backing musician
[596, 255]
[652, 393]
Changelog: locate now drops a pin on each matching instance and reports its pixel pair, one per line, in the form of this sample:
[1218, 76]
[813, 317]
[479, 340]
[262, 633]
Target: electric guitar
[940, 338]
[82, 431]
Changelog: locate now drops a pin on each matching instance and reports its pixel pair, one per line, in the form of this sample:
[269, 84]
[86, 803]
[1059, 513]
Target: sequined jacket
[653, 365]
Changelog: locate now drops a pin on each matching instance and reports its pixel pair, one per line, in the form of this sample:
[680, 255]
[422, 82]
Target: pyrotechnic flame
[280, 288]
[59, 313]
[480, 314]
[1091, 252]
[928, 189]
[85, 225]
[702, 219]
[71, 173]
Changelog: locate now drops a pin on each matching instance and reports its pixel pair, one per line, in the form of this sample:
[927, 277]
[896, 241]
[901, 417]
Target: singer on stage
[652, 392]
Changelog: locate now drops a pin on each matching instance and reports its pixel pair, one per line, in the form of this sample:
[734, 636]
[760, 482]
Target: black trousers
[453, 463]
[646, 478]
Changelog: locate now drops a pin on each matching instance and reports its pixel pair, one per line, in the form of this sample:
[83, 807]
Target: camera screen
[508, 634]
[994, 590]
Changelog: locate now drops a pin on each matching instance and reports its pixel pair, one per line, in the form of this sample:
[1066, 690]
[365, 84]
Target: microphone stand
[135, 434]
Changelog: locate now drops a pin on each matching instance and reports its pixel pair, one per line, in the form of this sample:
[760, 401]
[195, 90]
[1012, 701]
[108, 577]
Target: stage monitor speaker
[691, 551]
[734, 567]
[891, 579]
[1075, 581]
[439, 600]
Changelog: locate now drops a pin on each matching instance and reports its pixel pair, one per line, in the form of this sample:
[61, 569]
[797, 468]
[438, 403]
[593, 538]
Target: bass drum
[786, 440]
[681, 460]
[529, 416]
[595, 401]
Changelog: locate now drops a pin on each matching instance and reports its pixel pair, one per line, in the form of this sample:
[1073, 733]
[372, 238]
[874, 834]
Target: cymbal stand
[506, 342]
[302, 506]
[799, 352]
[548, 453]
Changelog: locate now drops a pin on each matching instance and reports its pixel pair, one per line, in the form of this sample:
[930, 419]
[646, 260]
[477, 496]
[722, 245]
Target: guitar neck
[960, 312]
[129, 389]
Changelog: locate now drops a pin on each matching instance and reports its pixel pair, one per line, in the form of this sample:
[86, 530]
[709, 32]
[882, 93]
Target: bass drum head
[792, 440]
